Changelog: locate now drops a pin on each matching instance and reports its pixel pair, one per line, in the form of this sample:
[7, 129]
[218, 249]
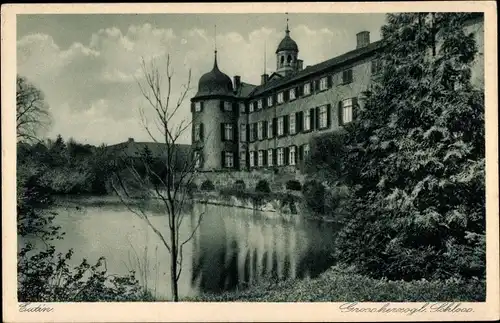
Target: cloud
[92, 88]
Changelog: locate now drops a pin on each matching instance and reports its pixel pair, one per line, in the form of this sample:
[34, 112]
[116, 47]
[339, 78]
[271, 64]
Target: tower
[214, 121]
[287, 54]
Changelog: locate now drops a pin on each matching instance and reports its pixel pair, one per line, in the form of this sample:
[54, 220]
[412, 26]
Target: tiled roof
[245, 89]
[315, 69]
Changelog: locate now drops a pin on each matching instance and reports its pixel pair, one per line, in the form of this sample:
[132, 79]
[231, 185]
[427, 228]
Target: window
[323, 83]
[252, 132]
[243, 132]
[228, 159]
[270, 101]
[197, 159]
[292, 94]
[376, 66]
[307, 120]
[228, 131]
[260, 158]
[269, 157]
[346, 111]
[281, 126]
[281, 156]
[243, 159]
[307, 88]
[197, 132]
[259, 105]
[260, 130]
[306, 150]
[228, 106]
[323, 116]
[197, 106]
[280, 98]
[270, 129]
[250, 107]
[242, 108]
[292, 123]
[252, 159]
[347, 76]
[291, 155]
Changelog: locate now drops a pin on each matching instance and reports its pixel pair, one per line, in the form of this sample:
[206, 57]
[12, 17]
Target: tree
[32, 112]
[414, 157]
[171, 186]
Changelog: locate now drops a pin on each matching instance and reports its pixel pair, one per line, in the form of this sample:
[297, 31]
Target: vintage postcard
[250, 162]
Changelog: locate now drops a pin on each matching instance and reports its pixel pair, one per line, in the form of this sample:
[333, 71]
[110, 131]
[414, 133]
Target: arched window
[289, 59]
[282, 60]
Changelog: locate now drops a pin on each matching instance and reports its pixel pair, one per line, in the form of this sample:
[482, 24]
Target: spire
[287, 31]
[215, 48]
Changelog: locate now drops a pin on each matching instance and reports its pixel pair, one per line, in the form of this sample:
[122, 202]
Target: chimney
[362, 39]
[300, 65]
[264, 78]
[130, 140]
[237, 82]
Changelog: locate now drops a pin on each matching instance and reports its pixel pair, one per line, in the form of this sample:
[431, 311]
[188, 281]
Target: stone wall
[276, 178]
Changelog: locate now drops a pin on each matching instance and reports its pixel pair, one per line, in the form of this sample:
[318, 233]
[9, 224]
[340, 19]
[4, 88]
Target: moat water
[232, 247]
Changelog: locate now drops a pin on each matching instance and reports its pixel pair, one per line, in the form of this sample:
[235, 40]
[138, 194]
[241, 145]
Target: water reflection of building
[234, 250]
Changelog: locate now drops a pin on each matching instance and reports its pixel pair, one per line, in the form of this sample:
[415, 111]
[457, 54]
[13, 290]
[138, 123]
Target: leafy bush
[314, 196]
[239, 185]
[263, 187]
[207, 185]
[293, 185]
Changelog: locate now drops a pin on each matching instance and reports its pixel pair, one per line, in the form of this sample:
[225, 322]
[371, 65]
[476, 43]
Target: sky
[88, 65]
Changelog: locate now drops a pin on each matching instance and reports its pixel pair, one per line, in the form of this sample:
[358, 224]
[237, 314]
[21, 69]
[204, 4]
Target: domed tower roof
[215, 82]
[287, 43]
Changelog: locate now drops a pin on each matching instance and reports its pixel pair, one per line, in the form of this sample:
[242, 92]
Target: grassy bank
[340, 284]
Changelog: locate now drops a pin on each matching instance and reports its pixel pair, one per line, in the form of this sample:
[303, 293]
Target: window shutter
[192, 106]
[330, 81]
[298, 91]
[221, 105]
[316, 85]
[296, 155]
[254, 126]
[264, 129]
[328, 115]
[286, 125]
[223, 160]
[247, 159]
[255, 106]
[355, 108]
[202, 129]
[235, 133]
[316, 117]
[264, 157]
[287, 155]
[275, 127]
[222, 137]
[264, 103]
[286, 95]
[340, 113]
[301, 152]
[311, 119]
[202, 105]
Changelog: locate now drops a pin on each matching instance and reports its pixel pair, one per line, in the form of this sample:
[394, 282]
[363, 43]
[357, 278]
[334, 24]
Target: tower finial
[215, 38]
[287, 30]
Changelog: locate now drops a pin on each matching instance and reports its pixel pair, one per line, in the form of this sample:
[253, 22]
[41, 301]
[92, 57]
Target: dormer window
[292, 94]
[242, 108]
[197, 106]
[259, 105]
[250, 107]
[323, 83]
[228, 106]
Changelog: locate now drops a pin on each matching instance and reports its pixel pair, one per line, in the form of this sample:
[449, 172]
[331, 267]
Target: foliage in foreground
[342, 284]
[414, 157]
[44, 274]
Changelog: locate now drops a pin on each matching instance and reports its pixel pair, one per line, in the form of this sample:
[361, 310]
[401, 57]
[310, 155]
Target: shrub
[207, 186]
[239, 185]
[314, 196]
[293, 185]
[263, 186]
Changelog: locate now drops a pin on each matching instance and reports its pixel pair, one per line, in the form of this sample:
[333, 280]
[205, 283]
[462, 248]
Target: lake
[232, 247]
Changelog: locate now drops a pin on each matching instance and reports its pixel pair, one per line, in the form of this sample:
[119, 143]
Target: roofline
[357, 53]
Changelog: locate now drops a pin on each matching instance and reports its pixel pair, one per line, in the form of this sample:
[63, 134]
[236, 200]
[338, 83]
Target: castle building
[241, 126]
